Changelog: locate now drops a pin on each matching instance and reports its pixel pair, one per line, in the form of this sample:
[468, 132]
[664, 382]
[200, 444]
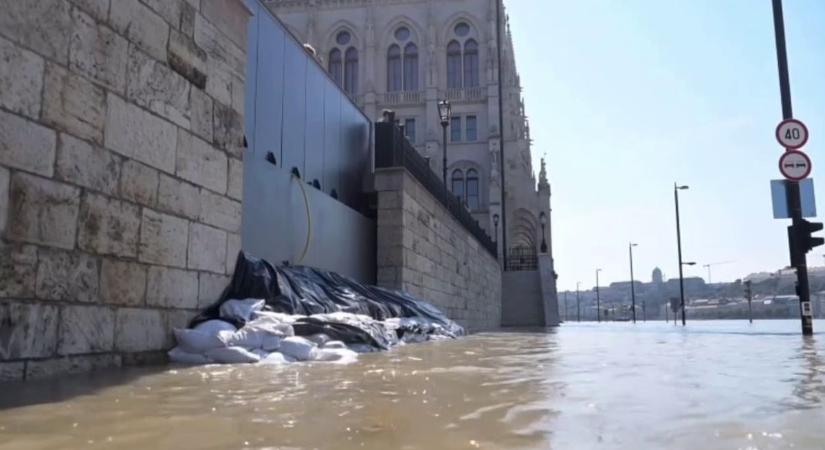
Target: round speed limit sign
[792, 134]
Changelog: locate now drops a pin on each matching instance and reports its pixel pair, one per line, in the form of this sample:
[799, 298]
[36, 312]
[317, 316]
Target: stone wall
[120, 175]
[424, 250]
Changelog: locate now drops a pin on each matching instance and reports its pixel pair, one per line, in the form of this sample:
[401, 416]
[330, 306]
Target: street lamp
[495, 233]
[676, 189]
[543, 221]
[598, 299]
[444, 113]
[632, 287]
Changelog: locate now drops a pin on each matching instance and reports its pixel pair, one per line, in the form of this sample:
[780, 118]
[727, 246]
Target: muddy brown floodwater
[724, 385]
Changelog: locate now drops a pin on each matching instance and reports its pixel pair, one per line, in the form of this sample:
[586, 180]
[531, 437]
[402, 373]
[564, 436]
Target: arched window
[411, 67]
[458, 184]
[470, 63]
[472, 189]
[351, 71]
[335, 66]
[394, 74]
[454, 65]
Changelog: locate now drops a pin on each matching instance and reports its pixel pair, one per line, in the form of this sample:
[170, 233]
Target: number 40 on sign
[792, 134]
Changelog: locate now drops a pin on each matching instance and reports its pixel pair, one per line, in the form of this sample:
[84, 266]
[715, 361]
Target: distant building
[657, 276]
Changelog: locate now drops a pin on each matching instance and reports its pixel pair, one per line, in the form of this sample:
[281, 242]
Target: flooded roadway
[722, 385]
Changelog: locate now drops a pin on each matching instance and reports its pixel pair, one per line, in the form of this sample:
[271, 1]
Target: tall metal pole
[444, 164]
[679, 248]
[598, 299]
[632, 287]
[749, 285]
[566, 308]
[799, 261]
[499, 41]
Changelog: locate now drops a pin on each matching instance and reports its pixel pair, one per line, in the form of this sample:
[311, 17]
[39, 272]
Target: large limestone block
[108, 226]
[86, 329]
[18, 268]
[4, 198]
[137, 134]
[200, 163]
[142, 26]
[156, 87]
[220, 211]
[201, 114]
[230, 17]
[26, 145]
[67, 276]
[42, 211]
[122, 283]
[73, 104]
[78, 162]
[163, 239]
[140, 330]
[233, 247]
[207, 248]
[70, 365]
[228, 130]
[29, 330]
[179, 197]
[21, 79]
[99, 9]
[172, 288]
[98, 52]
[210, 288]
[39, 25]
[235, 189]
[139, 183]
[187, 59]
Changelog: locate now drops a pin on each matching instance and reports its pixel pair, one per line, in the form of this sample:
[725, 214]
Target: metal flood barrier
[308, 158]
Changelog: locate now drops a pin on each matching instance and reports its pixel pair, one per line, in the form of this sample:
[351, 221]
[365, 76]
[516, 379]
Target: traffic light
[801, 239]
[748, 291]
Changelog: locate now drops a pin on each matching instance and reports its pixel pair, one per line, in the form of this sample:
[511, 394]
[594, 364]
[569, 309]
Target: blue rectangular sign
[780, 199]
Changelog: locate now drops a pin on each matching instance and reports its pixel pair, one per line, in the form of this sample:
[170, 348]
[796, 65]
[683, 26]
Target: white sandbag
[334, 344]
[214, 326]
[276, 358]
[278, 317]
[271, 343]
[299, 348]
[341, 356]
[248, 339]
[241, 310]
[319, 338]
[271, 325]
[197, 341]
[232, 355]
[181, 356]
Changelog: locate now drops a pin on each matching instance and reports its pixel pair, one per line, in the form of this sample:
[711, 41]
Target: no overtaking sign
[795, 165]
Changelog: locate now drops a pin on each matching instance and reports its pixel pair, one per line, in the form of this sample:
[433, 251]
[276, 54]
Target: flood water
[715, 385]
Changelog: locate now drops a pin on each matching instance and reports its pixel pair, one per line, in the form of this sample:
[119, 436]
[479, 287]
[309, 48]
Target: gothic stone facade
[406, 55]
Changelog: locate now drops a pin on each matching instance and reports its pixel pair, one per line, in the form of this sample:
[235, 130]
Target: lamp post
[543, 221]
[598, 299]
[444, 113]
[495, 228]
[676, 189]
[632, 287]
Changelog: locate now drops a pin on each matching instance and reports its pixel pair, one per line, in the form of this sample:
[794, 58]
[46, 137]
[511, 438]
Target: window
[458, 184]
[335, 66]
[343, 63]
[470, 64]
[454, 65]
[394, 69]
[455, 129]
[409, 130]
[472, 189]
[411, 67]
[351, 71]
[471, 133]
[402, 34]
[462, 29]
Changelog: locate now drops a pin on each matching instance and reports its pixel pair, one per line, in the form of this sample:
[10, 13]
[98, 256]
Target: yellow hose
[309, 221]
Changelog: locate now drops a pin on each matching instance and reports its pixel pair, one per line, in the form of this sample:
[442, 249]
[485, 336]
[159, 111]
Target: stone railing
[403, 98]
[466, 94]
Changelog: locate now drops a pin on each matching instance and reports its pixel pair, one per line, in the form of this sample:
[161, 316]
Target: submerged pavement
[714, 385]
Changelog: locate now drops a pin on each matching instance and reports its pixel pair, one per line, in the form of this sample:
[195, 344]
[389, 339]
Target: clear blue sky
[626, 97]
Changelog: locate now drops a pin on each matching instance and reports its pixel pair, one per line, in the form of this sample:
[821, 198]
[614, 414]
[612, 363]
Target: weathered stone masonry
[424, 250]
[120, 175]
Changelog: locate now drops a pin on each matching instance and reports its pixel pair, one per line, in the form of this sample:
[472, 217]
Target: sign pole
[798, 258]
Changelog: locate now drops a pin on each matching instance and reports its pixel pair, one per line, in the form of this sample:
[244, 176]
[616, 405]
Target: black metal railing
[522, 259]
[393, 150]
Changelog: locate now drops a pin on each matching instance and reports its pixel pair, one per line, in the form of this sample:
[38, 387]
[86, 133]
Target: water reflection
[714, 385]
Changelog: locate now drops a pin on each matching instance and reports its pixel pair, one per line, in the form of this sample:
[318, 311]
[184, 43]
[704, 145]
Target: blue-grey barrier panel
[296, 112]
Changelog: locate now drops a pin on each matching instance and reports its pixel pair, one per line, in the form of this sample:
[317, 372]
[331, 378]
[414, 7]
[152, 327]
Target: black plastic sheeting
[307, 291]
